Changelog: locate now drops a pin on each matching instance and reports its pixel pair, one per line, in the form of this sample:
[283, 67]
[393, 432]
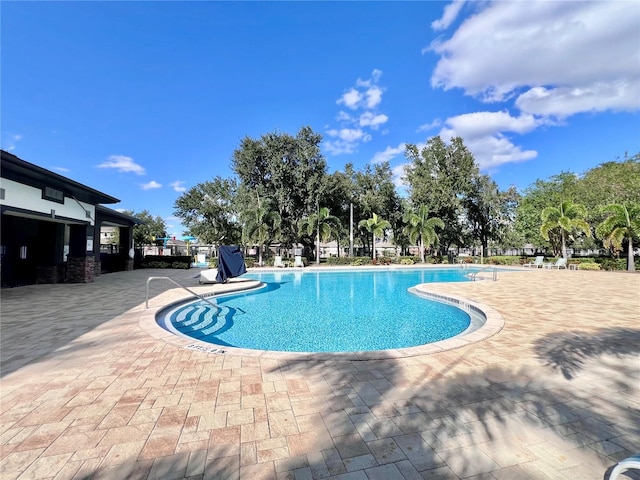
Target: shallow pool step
[200, 320]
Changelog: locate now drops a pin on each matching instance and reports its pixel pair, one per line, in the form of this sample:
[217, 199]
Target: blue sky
[142, 100]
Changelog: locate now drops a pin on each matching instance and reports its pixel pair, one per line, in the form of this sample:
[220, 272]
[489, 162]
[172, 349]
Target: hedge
[162, 261]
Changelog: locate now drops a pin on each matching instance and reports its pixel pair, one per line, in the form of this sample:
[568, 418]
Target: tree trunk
[373, 246]
[259, 255]
[564, 246]
[631, 266]
[421, 250]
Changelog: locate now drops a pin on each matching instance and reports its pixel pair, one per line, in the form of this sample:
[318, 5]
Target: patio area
[86, 393]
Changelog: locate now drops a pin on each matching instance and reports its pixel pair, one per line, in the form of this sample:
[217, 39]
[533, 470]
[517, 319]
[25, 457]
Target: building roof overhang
[18, 170]
[114, 218]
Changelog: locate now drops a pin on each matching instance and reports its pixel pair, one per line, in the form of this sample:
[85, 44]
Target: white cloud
[388, 153]
[398, 176]
[9, 141]
[374, 97]
[564, 56]
[177, 186]
[61, 169]
[347, 134]
[490, 147]
[479, 124]
[123, 164]
[351, 99]
[565, 101]
[428, 126]
[343, 116]
[347, 140]
[150, 185]
[448, 17]
[339, 147]
[369, 119]
[547, 60]
[355, 128]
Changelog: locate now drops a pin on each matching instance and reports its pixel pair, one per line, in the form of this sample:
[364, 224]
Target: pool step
[200, 319]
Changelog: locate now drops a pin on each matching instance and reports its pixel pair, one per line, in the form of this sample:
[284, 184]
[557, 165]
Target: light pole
[351, 230]
[318, 233]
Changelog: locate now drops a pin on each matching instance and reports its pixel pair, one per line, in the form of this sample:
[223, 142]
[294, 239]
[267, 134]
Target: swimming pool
[324, 311]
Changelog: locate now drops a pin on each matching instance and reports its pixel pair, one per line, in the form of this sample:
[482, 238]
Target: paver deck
[86, 393]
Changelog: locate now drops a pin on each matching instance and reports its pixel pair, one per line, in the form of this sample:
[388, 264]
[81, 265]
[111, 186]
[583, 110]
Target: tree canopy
[287, 169]
[208, 211]
[440, 176]
[281, 179]
[421, 227]
[151, 229]
[621, 224]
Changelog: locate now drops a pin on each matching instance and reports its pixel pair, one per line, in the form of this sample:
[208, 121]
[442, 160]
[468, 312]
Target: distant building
[51, 227]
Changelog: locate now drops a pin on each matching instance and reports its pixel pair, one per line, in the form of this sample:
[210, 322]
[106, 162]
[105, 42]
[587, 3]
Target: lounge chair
[560, 263]
[208, 276]
[626, 464]
[277, 261]
[538, 263]
[297, 261]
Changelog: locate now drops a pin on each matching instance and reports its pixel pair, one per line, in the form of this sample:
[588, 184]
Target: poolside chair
[560, 263]
[538, 263]
[626, 464]
[297, 262]
[277, 261]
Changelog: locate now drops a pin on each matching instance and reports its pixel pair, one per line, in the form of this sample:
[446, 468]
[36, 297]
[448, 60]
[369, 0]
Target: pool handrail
[473, 275]
[146, 301]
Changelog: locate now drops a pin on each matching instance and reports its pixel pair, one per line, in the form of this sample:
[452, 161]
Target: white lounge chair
[560, 263]
[277, 261]
[538, 263]
[297, 261]
[208, 276]
[626, 464]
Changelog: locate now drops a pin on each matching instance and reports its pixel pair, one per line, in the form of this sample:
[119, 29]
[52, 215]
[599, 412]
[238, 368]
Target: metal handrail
[146, 303]
[474, 275]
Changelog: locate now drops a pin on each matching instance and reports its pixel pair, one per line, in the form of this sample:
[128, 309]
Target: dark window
[52, 194]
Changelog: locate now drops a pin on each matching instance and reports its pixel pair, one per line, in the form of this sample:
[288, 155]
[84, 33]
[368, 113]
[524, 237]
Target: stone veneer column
[80, 269]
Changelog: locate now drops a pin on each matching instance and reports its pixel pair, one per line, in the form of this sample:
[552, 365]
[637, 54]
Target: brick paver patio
[87, 393]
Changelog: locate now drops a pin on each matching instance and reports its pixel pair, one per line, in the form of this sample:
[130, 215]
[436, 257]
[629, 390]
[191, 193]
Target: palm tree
[622, 223]
[566, 218]
[422, 228]
[261, 224]
[376, 227]
[323, 224]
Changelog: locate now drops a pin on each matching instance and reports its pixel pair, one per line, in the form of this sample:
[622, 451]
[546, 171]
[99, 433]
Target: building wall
[25, 197]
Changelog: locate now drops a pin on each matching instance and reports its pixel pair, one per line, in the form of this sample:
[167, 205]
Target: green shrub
[412, 258]
[508, 260]
[250, 262]
[183, 265]
[162, 261]
[384, 261]
[357, 261]
[213, 262]
[339, 260]
[588, 266]
[611, 263]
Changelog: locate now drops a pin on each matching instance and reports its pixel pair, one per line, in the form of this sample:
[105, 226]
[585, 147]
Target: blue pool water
[329, 311]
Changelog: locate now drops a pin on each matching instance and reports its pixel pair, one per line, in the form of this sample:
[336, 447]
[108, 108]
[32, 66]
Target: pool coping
[493, 323]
